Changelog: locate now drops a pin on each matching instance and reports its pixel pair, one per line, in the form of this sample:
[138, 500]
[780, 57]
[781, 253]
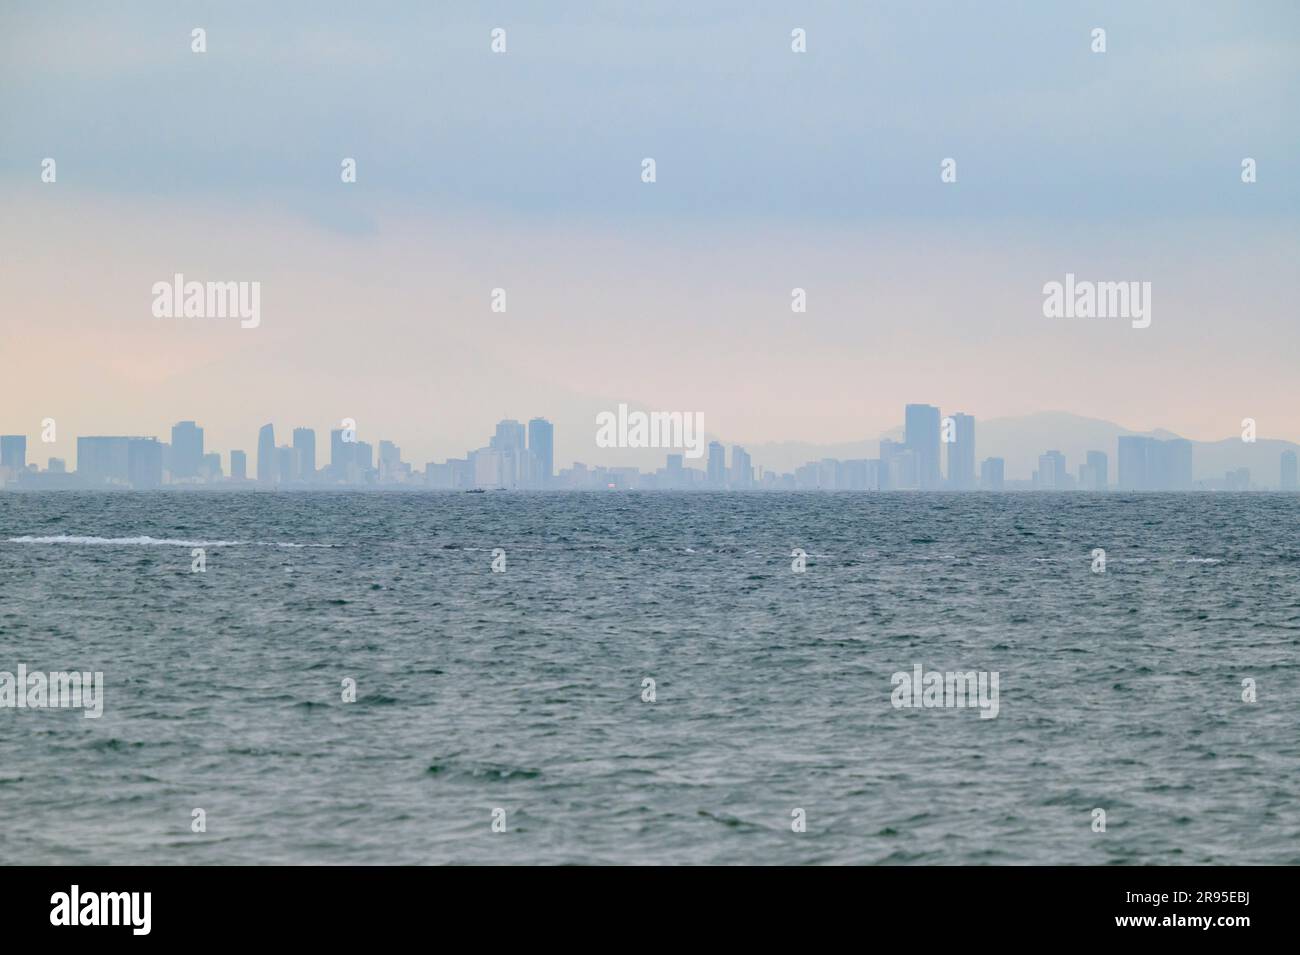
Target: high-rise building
[742, 469]
[1052, 475]
[210, 468]
[921, 424]
[103, 460]
[674, 473]
[992, 474]
[854, 475]
[1288, 471]
[509, 436]
[13, 451]
[717, 466]
[828, 474]
[903, 470]
[541, 444]
[341, 455]
[898, 467]
[57, 466]
[363, 457]
[286, 464]
[1132, 474]
[1094, 476]
[144, 462]
[120, 461]
[186, 450]
[961, 454]
[871, 476]
[509, 440]
[238, 466]
[266, 455]
[491, 468]
[304, 450]
[1149, 464]
[390, 461]
[1173, 465]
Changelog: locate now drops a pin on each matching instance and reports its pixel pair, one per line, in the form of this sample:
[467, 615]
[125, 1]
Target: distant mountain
[1019, 441]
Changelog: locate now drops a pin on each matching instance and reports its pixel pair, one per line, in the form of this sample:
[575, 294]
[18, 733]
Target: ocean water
[522, 690]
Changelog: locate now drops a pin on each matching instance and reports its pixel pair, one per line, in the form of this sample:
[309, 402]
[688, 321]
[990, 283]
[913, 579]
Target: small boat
[475, 490]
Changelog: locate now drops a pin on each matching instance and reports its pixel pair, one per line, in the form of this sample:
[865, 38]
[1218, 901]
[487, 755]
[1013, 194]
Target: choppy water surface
[522, 690]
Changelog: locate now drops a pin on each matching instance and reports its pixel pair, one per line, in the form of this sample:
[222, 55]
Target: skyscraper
[1096, 472]
[742, 469]
[509, 441]
[674, 474]
[144, 463]
[1172, 469]
[13, 451]
[238, 466]
[717, 467]
[889, 449]
[921, 423]
[286, 464]
[266, 455]
[103, 460]
[992, 474]
[493, 469]
[509, 436]
[1288, 471]
[1148, 464]
[340, 455]
[116, 460]
[1052, 475]
[363, 457]
[961, 454]
[187, 450]
[390, 461]
[304, 450]
[1132, 463]
[541, 443]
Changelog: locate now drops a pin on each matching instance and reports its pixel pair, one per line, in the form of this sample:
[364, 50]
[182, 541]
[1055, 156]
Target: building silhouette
[1150, 464]
[304, 451]
[742, 469]
[186, 450]
[13, 451]
[921, 427]
[1094, 473]
[1288, 471]
[992, 474]
[1052, 474]
[961, 454]
[266, 455]
[541, 445]
[717, 465]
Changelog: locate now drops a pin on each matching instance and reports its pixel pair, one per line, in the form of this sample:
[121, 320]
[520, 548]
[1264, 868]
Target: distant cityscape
[936, 454]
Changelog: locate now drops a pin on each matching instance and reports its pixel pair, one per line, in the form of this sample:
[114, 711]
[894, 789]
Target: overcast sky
[523, 171]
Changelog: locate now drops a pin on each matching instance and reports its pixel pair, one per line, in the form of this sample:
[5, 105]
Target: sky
[775, 170]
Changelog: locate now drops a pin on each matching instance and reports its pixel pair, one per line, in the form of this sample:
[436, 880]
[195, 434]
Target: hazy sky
[522, 171]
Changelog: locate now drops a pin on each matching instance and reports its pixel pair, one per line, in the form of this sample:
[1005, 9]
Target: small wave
[121, 541]
[148, 542]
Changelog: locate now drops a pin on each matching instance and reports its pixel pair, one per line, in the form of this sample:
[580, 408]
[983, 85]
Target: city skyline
[937, 452]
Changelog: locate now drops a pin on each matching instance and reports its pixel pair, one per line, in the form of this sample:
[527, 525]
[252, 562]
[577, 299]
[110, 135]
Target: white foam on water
[120, 541]
[147, 542]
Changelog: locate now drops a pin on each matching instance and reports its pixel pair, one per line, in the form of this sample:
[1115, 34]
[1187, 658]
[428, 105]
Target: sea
[652, 678]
